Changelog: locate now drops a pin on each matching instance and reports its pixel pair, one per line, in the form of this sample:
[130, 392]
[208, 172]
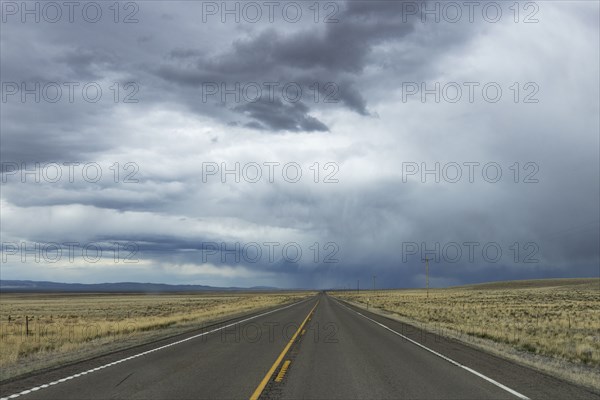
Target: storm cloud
[302, 154]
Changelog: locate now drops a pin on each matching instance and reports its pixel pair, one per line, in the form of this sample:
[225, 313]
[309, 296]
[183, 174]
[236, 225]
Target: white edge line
[24, 392]
[479, 374]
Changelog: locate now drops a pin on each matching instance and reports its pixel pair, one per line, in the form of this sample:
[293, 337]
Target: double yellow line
[267, 377]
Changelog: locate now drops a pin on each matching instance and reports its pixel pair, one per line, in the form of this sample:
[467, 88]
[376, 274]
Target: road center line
[24, 392]
[261, 386]
[479, 374]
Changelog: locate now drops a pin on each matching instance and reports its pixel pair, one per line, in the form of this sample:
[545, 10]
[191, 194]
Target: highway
[319, 348]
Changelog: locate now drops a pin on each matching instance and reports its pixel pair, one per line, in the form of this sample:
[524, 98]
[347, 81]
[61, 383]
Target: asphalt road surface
[316, 349]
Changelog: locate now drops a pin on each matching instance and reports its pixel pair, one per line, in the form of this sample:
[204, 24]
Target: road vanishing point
[318, 348]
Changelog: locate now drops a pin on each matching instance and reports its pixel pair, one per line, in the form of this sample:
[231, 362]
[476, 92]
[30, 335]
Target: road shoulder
[468, 350]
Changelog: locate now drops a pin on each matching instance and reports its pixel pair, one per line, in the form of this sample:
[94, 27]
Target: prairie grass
[554, 318]
[66, 327]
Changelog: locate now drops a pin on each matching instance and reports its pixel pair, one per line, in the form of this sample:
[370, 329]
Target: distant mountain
[119, 287]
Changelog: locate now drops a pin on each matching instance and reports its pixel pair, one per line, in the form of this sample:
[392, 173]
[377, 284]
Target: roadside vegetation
[555, 318]
[42, 330]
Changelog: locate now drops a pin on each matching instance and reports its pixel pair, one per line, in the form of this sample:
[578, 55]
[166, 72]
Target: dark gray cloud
[334, 57]
[278, 116]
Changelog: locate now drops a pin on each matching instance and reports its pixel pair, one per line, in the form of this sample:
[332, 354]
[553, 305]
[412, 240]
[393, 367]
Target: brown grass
[557, 319]
[67, 327]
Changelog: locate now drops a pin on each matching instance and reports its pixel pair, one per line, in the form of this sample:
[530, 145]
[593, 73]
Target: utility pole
[427, 273]
[358, 286]
[374, 282]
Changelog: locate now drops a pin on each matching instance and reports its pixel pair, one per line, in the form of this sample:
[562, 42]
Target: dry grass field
[68, 327]
[558, 318]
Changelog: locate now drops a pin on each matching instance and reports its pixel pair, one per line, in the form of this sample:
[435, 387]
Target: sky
[300, 144]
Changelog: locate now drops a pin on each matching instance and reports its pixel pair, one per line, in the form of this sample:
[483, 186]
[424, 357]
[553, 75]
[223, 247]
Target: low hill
[17, 286]
[583, 283]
